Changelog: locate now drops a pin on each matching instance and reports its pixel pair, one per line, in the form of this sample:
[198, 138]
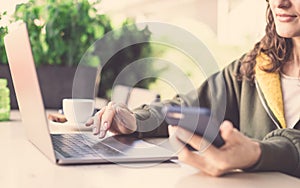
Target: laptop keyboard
[81, 145]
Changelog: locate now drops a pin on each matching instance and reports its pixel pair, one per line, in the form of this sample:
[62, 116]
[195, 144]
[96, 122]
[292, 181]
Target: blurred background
[229, 28]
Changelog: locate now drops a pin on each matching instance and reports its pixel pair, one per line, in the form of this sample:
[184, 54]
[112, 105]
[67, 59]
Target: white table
[22, 165]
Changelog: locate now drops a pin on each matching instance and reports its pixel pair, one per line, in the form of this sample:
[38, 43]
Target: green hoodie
[256, 109]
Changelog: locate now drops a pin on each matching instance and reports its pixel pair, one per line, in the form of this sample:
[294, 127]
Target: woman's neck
[292, 67]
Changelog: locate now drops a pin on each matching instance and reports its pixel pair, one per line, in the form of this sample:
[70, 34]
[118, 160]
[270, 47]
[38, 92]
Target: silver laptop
[76, 148]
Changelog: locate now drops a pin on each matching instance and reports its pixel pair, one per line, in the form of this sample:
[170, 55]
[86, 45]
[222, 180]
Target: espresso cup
[78, 111]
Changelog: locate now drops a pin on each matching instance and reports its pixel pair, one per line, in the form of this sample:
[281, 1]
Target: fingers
[191, 158]
[90, 122]
[230, 134]
[106, 119]
[196, 141]
[239, 151]
[176, 144]
[179, 137]
[226, 129]
[201, 162]
[237, 142]
[195, 159]
[97, 121]
[116, 118]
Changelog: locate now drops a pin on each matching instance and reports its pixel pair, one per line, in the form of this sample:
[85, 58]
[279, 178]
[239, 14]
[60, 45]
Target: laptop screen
[25, 80]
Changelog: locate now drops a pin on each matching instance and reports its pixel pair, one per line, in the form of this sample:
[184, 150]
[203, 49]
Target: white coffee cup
[78, 111]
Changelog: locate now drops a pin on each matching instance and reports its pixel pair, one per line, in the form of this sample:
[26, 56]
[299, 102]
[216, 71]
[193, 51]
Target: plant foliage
[3, 32]
[61, 31]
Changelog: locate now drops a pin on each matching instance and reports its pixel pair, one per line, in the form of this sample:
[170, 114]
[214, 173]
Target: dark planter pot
[56, 83]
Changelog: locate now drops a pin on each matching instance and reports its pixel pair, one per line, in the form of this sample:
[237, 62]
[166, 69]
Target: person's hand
[238, 152]
[116, 118]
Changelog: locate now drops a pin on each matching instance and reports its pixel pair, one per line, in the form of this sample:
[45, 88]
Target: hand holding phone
[195, 119]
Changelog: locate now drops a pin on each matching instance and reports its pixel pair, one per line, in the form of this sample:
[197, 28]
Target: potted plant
[60, 33]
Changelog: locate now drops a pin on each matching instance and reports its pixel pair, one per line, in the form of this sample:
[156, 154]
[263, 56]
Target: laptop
[69, 148]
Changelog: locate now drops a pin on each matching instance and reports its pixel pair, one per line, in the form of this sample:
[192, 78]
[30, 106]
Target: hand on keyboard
[116, 118]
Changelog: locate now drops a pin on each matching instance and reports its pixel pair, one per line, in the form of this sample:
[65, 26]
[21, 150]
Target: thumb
[227, 132]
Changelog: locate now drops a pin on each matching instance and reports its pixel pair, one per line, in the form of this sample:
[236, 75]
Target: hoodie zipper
[265, 105]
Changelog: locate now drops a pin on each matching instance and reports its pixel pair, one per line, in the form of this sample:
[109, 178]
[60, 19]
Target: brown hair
[277, 48]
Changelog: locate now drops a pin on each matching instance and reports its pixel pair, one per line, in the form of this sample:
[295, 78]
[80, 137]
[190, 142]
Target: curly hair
[277, 48]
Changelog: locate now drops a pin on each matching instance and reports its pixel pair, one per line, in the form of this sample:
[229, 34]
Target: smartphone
[195, 119]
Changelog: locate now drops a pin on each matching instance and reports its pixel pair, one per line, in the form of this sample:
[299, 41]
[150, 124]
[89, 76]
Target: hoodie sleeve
[221, 85]
[280, 152]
